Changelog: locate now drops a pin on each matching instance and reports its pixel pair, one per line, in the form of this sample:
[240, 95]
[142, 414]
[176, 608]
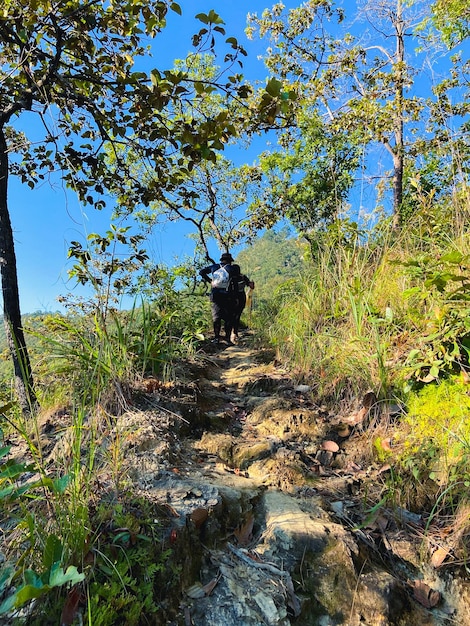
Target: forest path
[270, 510]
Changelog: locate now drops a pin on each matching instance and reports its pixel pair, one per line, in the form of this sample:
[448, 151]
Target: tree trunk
[11, 300]
[398, 154]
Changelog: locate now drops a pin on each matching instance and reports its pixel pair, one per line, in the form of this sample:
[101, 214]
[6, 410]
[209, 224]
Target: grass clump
[439, 431]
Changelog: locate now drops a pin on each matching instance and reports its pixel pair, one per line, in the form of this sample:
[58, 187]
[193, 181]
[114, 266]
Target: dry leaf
[439, 556]
[377, 523]
[244, 532]
[426, 596]
[70, 608]
[354, 418]
[369, 400]
[199, 516]
[209, 587]
[386, 444]
[196, 591]
[292, 600]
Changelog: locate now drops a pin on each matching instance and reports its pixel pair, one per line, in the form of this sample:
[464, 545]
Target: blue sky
[47, 218]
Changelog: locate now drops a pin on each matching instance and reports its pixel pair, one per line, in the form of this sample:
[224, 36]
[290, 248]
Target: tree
[211, 194]
[360, 84]
[49, 56]
[309, 182]
[452, 19]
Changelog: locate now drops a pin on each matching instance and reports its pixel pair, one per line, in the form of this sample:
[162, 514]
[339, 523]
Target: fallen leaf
[244, 532]
[173, 512]
[292, 600]
[199, 516]
[386, 444]
[354, 418]
[439, 556]
[254, 556]
[426, 596]
[196, 591]
[209, 587]
[369, 400]
[70, 608]
[380, 522]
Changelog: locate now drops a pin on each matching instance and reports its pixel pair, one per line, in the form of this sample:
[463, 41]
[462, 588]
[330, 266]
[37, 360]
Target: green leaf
[434, 371]
[27, 593]
[214, 18]
[53, 551]
[58, 577]
[452, 257]
[59, 485]
[4, 451]
[413, 291]
[6, 576]
[274, 87]
[176, 8]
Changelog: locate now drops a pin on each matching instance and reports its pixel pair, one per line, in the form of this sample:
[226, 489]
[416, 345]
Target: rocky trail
[268, 503]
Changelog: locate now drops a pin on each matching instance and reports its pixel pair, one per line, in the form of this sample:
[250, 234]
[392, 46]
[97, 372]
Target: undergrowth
[386, 313]
[389, 313]
[78, 543]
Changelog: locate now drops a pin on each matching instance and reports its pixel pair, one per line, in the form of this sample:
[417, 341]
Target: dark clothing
[241, 303]
[242, 282]
[223, 302]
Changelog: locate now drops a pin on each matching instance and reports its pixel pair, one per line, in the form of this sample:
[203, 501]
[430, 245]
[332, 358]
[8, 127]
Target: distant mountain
[272, 259]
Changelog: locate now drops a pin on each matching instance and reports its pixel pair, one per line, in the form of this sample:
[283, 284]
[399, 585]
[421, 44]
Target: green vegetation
[68, 529]
[389, 315]
[350, 303]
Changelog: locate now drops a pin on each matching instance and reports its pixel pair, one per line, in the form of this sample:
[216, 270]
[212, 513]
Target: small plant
[19, 583]
[444, 347]
[436, 449]
[128, 563]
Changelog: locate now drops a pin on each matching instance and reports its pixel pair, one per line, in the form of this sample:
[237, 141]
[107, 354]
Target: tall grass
[390, 313]
[333, 324]
[92, 366]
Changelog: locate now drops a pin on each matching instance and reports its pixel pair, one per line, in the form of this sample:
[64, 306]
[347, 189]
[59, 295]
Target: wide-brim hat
[227, 257]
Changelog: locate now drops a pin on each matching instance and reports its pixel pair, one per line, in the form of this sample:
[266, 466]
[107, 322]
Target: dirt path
[269, 506]
[266, 502]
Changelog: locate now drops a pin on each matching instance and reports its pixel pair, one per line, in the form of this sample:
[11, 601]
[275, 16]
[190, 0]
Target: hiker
[223, 295]
[241, 281]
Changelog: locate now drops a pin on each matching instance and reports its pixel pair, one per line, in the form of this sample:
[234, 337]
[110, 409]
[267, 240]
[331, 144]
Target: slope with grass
[358, 418]
[227, 494]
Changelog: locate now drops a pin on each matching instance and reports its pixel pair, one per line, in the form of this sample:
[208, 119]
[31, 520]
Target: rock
[218, 444]
[244, 454]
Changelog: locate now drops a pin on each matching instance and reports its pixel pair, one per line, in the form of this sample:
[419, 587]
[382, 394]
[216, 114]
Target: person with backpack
[241, 281]
[223, 295]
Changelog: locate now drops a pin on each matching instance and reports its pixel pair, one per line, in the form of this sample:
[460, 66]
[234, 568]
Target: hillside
[257, 506]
